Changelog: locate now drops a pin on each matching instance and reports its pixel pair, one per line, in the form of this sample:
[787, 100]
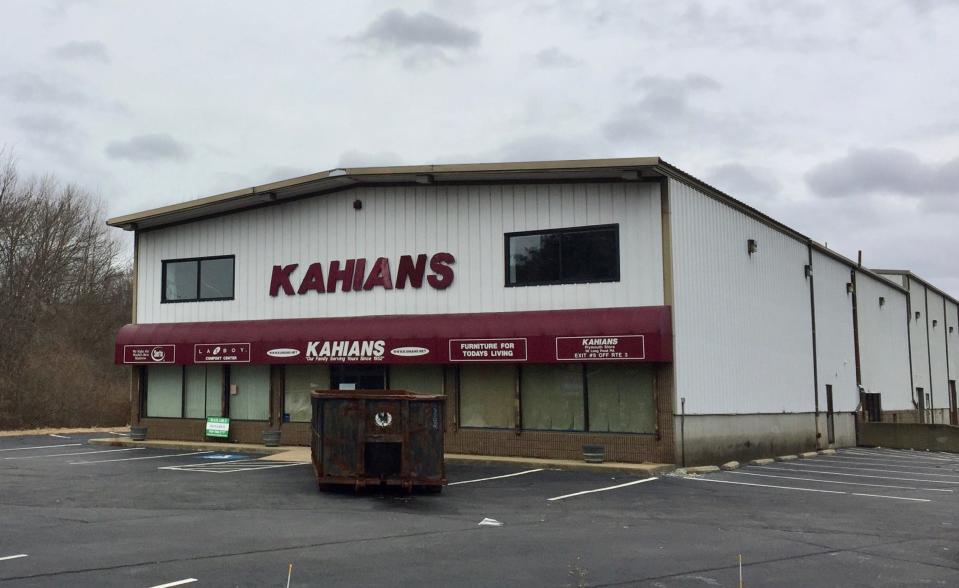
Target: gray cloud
[82, 51]
[420, 39]
[664, 102]
[32, 89]
[555, 57]
[355, 158]
[742, 181]
[891, 171]
[145, 148]
[50, 132]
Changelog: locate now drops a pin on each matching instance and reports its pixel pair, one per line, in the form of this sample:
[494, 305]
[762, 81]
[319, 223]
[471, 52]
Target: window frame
[565, 230]
[144, 392]
[199, 271]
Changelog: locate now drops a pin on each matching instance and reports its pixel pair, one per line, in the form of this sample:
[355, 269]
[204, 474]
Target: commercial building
[620, 302]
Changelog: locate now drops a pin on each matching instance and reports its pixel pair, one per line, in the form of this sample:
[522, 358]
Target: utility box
[378, 437]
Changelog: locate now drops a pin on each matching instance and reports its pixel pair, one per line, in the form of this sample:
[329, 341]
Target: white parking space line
[139, 458]
[602, 489]
[177, 583]
[74, 453]
[862, 461]
[42, 447]
[892, 497]
[59, 436]
[887, 457]
[742, 473]
[809, 489]
[227, 468]
[120, 434]
[856, 468]
[18, 556]
[496, 477]
[808, 471]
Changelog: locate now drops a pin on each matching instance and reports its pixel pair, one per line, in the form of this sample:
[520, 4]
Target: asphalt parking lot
[73, 514]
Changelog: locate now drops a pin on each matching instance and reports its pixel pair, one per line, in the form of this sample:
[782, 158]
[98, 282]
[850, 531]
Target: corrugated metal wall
[742, 327]
[884, 341]
[467, 221]
[952, 321]
[937, 348]
[835, 341]
[917, 333]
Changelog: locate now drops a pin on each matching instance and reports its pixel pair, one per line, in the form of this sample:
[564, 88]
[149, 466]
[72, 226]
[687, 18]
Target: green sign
[218, 427]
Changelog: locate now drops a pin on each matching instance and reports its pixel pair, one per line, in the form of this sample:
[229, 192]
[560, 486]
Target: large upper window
[189, 280]
[563, 256]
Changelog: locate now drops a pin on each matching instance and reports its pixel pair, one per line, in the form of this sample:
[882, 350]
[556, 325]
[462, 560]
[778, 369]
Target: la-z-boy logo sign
[352, 275]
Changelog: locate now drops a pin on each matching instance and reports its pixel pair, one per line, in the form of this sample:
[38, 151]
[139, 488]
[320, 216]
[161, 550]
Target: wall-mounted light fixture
[808, 270]
[357, 204]
[935, 322]
[882, 301]
[950, 329]
[917, 315]
[850, 288]
[752, 246]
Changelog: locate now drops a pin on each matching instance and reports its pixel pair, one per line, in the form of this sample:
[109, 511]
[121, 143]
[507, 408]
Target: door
[953, 412]
[922, 405]
[872, 405]
[830, 421]
[358, 377]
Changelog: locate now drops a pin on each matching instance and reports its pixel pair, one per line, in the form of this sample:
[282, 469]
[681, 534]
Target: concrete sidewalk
[301, 454]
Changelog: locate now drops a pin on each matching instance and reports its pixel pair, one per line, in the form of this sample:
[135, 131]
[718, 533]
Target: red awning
[609, 334]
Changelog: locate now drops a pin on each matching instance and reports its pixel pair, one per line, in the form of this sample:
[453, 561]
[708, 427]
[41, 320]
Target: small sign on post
[218, 427]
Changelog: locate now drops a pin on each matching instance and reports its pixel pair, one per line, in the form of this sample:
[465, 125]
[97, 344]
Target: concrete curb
[194, 446]
[707, 469]
[787, 457]
[809, 454]
[763, 461]
[730, 465]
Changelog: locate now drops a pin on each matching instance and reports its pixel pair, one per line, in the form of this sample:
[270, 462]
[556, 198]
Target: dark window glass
[358, 377]
[216, 278]
[188, 280]
[563, 256]
[180, 280]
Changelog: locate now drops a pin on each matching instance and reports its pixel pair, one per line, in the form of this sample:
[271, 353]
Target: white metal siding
[937, 349]
[884, 342]
[742, 327]
[835, 341]
[917, 332]
[467, 221]
[952, 322]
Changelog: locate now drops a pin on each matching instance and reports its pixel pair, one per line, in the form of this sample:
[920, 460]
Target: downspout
[815, 357]
[912, 381]
[945, 337]
[855, 340]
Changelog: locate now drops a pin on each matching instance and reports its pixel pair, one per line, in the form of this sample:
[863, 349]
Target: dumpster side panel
[342, 422]
[426, 441]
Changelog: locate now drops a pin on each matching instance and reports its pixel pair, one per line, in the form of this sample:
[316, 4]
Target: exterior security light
[950, 329]
[917, 315]
[935, 322]
[850, 288]
[882, 301]
[357, 204]
[752, 246]
[808, 270]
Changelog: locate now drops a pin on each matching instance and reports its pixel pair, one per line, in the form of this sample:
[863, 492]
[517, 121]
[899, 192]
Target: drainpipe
[855, 339]
[932, 395]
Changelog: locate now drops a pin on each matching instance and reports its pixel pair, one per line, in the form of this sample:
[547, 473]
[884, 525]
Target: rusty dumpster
[378, 437]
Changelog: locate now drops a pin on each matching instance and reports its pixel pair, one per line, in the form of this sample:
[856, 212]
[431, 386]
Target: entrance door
[953, 412]
[830, 421]
[358, 377]
[872, 405]
[922, 405]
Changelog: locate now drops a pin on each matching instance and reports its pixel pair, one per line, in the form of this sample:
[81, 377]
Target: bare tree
[63, 295]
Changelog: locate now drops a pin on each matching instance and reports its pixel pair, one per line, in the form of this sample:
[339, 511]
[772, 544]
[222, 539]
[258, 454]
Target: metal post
[682, 428]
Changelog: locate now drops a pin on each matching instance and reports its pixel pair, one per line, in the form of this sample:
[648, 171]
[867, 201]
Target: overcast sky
[838, 118]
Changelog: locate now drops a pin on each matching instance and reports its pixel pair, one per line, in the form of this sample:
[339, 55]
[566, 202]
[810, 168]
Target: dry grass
[123, 429]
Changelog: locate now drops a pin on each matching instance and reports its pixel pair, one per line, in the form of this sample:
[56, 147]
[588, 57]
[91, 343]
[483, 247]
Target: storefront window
[487, 395]
[164, 391]
[422, 379]
[563, 256]
[300, 381]
[209, 278]
[252, 399]
[203, 391]
[621, 398]
[358, 377]
[552, 397]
